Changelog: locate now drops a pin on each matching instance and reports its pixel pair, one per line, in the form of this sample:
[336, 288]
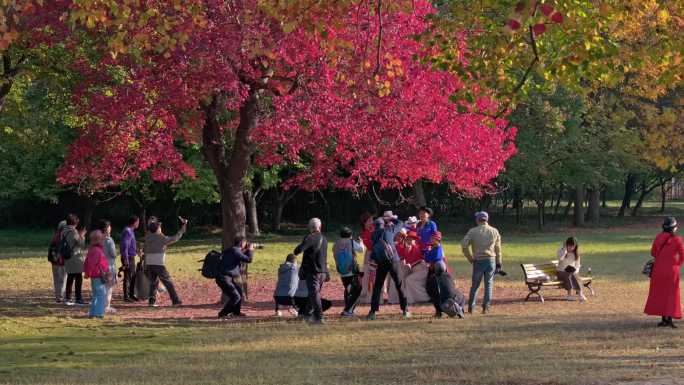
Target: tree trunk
[630, 184]
[556, 206]
[663, 194]
[540, 215]
[252, 216]
[143, 219]
[230, 172]
[88, 210]
[645, 190]
[485, 202]
[277, 215]
[566, 211]
[419, 193]
[282, 197]
[578, 219]
[604, 194]
[594, 209]
[517, 202]
[504, 203]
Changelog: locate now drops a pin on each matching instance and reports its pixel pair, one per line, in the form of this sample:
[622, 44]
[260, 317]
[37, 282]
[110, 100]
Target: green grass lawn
[606, 340]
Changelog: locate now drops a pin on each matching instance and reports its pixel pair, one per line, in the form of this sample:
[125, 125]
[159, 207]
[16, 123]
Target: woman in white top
[569, 266]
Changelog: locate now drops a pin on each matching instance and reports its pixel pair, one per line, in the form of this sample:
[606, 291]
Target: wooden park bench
[543, 275]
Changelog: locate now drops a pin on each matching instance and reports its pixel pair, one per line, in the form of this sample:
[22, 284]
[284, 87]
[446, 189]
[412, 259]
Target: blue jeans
[482, 269]
[99, 301]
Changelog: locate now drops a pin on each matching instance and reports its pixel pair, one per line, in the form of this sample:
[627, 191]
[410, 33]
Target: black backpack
[210, 265]
[441, 288]
[53, 251]
[65, 249]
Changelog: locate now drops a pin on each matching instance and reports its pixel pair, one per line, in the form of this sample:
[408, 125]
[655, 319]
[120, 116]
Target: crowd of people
[71, 261]
[403, 260]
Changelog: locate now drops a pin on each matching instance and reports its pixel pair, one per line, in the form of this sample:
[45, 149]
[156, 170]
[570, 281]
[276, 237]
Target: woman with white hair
[314, 268]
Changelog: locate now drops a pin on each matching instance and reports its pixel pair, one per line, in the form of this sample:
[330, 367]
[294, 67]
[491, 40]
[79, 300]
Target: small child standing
[288, 280]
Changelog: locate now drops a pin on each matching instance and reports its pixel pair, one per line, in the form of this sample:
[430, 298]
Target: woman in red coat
[663, 295]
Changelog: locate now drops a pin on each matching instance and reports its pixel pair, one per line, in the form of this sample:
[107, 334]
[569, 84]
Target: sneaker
[69, 302]
[582, 297]
[293, 311]
[82, 303]
[346, 314]
[177, 304]
[317, 321]
[129, 300]
[110, 310]
[570, 298]
[485, 309]
[153, 304]
[370, 316]
[278, 313]
[438, 315]
[161, 290]
[459, 312]
[241, 314]
[470, 309]
[58, 300]
[406, 314]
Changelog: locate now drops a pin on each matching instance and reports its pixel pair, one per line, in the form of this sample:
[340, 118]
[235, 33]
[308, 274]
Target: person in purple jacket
[128, 253]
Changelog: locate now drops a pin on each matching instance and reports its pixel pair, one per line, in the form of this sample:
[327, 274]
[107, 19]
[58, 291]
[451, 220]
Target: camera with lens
[255, 245]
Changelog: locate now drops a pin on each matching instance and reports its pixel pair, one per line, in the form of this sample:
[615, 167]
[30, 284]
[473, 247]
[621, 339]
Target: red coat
[95, 262]
[366, 238]
[663, 295]
[412, 256]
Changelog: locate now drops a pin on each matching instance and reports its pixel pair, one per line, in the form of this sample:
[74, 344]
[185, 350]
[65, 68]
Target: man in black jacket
[229, 275]
[314, 267]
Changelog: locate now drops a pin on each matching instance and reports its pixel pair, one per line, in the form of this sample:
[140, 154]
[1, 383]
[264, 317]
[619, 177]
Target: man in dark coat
[385, 255]
[314, 269]
[229, 279]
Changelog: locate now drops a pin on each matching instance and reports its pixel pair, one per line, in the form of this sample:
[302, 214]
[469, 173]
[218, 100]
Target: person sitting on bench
[568, 268]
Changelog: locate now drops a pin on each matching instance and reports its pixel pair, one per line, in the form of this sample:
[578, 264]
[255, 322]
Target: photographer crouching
[229, 278]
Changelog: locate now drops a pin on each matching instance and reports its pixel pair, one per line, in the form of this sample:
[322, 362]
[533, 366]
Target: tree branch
[523, 80]
[377, 63]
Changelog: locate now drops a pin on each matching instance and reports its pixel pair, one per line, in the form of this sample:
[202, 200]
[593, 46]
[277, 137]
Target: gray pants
[570, 281]
[59, 276]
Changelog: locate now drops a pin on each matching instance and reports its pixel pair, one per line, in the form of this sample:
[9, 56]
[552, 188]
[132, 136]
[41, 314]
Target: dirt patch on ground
[201, 303]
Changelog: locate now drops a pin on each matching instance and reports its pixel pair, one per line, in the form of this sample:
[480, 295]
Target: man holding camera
[229, 278]
[314, 267]
[485, 257]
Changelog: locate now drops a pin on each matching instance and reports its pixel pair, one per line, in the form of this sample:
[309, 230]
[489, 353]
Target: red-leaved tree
[348, 97]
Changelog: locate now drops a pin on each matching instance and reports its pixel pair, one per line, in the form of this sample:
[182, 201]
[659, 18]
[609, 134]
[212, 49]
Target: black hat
[426, 209]
[345, 232]
[669, 223]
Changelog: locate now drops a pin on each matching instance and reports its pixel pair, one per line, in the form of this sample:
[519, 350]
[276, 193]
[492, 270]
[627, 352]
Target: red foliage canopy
[354, 111]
